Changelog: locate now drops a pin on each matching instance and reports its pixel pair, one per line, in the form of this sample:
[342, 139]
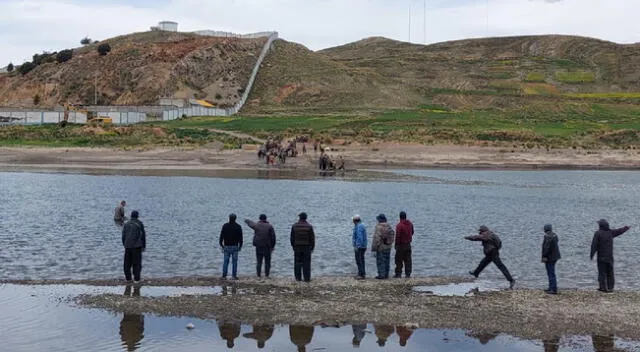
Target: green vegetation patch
[575, 77]
[535, 77]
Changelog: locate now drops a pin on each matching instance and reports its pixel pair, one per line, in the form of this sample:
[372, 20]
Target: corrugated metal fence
[134, 114]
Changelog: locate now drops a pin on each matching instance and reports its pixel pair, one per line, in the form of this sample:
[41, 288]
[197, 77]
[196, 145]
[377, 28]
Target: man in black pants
[491, 244]
[264, 239]
[134, 242]
[303, 241]
[603, 244]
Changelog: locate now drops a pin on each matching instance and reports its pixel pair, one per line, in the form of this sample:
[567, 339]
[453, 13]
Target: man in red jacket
[404, 235]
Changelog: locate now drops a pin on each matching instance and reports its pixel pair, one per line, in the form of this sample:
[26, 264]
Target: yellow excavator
[92, 119]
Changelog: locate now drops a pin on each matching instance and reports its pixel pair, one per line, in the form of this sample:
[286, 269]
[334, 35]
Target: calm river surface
[60, 226]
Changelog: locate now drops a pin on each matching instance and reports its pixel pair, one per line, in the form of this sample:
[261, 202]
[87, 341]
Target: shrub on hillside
[26, 67]
[85, 41]
[45, 57]
[10, 67]
[64, 55]
[104, 49]
[36, 99]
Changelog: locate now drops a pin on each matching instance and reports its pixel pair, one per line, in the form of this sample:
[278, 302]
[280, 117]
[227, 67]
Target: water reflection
[132, 325]
[229, 290]
[229, 332]
[604, 343]
[483, 337]
[551, 345]
[404, 333]
[358, 334]
[383, 332]
[301, 336]
[260, 333]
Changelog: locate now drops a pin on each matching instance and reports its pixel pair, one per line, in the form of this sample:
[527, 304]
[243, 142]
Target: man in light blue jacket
[359, 245]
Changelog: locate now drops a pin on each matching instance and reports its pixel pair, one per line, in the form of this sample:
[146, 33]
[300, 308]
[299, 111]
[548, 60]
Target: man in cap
[134, 241]
[231, 243]
[603, 245]
[303, 241]
[491, 244]
[264, 239]
[359, 241]
[550, 255]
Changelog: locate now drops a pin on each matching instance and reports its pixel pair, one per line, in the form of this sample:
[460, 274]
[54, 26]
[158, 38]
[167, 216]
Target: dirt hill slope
[140, 68]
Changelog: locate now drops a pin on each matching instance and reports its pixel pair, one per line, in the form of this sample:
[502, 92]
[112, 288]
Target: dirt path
[239, 135]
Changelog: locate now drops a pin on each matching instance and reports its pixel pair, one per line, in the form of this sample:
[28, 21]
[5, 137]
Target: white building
[168, 26]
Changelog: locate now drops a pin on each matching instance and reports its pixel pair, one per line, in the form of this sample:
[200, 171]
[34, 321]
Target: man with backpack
[491, 244]
[382, 241]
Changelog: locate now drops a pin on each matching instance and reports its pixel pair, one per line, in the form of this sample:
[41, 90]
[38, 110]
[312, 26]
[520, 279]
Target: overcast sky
[31, 26]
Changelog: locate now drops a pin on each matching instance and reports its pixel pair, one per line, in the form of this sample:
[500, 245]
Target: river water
[41, 318]
[57, 226]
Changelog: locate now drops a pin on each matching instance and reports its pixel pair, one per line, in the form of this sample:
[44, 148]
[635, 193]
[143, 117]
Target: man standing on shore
[603, 245]
[404, 236]
[119, 217]
[134, 240]
[550, 255]
[303, 241]
[231, 243]
[382, 241]
[264, 239]
[359, 242]
[491, 244]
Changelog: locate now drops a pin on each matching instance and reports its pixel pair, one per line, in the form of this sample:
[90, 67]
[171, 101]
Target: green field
[548, 124]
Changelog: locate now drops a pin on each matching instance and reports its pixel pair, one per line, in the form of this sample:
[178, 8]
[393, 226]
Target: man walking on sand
[404, 236]
[359, 241]
[231, 243]
[491, 244]
[603, 245]
[303, 241]
[550, 255]
[134, 240]
[264, 239]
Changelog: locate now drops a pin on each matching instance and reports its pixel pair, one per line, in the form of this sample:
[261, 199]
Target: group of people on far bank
[302, 240]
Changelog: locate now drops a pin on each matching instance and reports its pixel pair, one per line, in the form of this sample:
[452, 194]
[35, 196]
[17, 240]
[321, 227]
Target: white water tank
[168, 26]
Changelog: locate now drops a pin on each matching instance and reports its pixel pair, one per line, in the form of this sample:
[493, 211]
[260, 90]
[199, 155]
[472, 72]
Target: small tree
[85, 41]
[10, 67]
[64, 55]
[104, 49]
[26, 67]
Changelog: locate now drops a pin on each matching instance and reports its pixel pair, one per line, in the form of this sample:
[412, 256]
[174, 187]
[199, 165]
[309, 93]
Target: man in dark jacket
[303, 241]
[134, 241]
[231, 243]
[603, 245]
[491, 244]
[550, 255]
[404, 236]
[264, 239]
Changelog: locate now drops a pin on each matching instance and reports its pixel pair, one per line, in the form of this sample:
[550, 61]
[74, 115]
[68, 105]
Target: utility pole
[409, 21]
[95, 90]
[425, 22]
[487, 24]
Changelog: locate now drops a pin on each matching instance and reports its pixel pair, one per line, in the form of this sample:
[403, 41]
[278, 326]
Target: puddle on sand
[460, 289]
[38, 318]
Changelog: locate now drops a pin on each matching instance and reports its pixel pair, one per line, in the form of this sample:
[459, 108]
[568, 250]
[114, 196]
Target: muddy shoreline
[209, 162]
[338, 301]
